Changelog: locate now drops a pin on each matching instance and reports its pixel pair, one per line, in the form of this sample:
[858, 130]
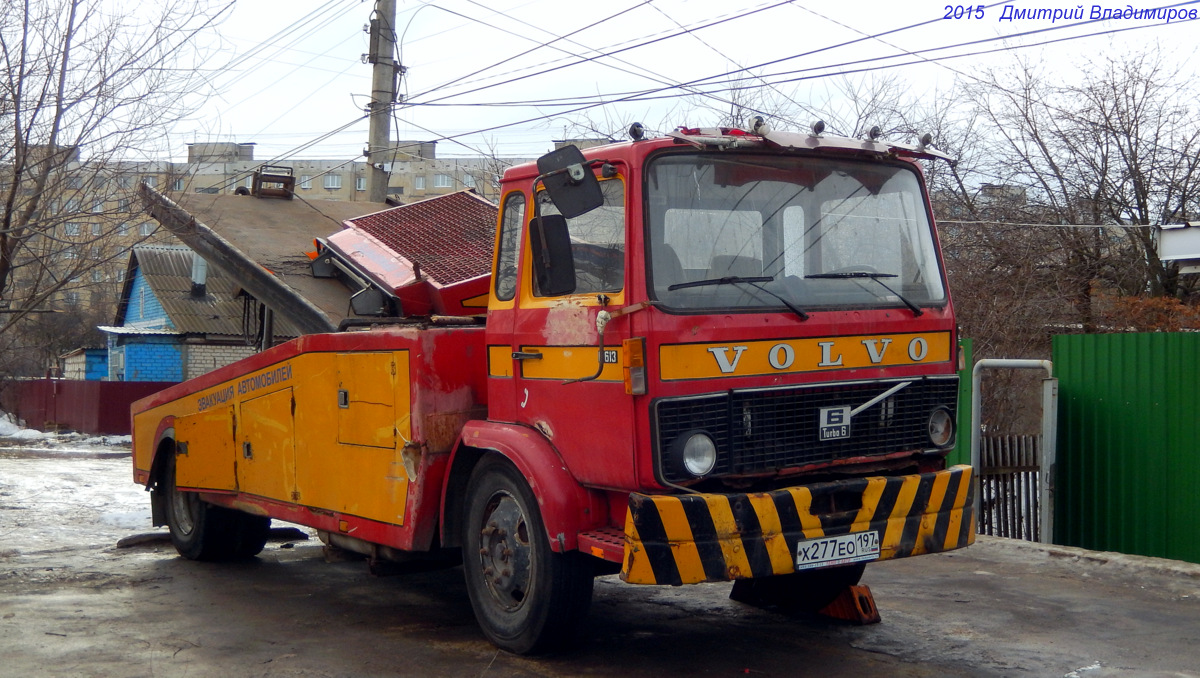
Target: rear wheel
[201, 531]
[804, 591]
[526, 597]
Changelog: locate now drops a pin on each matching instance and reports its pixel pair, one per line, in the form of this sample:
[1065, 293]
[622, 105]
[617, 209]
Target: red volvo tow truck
[718, 355]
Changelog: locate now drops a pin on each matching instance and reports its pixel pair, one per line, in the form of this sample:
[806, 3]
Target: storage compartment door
[204, 450]
[367, 399]
[266, 458]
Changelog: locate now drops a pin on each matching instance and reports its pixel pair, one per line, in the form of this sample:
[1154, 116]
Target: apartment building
[416, 173]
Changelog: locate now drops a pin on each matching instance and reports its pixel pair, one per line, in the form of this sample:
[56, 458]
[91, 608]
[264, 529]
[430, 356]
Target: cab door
[560, 385]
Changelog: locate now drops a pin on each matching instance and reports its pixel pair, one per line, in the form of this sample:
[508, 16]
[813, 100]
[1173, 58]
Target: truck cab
[758, 300]
[743, 350]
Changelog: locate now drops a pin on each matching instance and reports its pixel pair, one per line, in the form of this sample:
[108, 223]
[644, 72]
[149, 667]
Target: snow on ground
[67, 444]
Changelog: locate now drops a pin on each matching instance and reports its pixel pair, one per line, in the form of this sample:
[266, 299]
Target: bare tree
[87, 96]
[1116, 149]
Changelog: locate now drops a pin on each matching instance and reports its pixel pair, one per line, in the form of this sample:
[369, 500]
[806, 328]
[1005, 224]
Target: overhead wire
[588, 59]
[642, 95]
[648, 94]
[287, 32]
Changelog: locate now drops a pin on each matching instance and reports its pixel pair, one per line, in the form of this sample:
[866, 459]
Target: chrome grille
[764, 430]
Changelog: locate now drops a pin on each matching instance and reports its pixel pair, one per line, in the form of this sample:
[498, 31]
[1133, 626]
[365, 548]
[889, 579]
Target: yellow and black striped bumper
[685, 539]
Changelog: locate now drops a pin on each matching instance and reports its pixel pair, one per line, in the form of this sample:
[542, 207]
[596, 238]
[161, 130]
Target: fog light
[699, 454]
[941, 428]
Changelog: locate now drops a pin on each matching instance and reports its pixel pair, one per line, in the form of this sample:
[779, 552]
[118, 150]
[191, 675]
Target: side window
[506, 258]
[597, 241]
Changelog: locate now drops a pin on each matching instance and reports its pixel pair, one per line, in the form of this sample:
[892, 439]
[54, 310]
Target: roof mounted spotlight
[875, 133]
[926, 140]
[818, 127]
[637, 132]
[759, 126]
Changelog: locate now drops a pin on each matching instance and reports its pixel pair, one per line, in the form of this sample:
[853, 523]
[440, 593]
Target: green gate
[1128, 474]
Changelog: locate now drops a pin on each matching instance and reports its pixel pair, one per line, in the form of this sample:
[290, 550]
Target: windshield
[747, 230]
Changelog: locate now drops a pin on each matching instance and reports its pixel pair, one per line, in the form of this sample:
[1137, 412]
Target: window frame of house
[419, 182]
[360, 183]
[72, 228]
[333, 181]
[146, 228]
[443, 181]
[306, 181]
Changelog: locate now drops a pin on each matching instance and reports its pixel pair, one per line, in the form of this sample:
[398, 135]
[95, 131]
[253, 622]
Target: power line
[590, 59]
[645, 95]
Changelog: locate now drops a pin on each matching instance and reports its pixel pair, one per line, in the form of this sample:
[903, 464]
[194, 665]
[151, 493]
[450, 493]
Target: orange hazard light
[634, 352]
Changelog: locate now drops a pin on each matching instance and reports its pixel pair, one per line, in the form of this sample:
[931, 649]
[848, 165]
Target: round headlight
[941, 428]
[699, 454]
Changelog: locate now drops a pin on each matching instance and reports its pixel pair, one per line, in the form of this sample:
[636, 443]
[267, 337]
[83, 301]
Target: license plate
[847, 548]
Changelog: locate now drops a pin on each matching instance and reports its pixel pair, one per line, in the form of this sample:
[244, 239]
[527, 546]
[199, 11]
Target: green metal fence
[961, 454]
[1128, 475]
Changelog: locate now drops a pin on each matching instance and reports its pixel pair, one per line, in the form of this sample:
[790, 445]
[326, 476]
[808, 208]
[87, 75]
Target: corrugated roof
[450, 237]
[138, 330]
[168, 271]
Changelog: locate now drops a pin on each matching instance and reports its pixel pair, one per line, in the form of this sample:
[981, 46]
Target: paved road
[74, 604]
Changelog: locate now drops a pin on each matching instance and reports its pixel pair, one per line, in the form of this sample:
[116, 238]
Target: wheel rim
[182, 505]
[504, 552]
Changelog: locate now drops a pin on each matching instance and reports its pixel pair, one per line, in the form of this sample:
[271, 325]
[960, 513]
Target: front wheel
[201, 531]
[526, 597]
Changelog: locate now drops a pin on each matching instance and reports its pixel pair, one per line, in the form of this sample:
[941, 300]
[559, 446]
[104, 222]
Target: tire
[201, 531]
[527, 598]
[805, 591]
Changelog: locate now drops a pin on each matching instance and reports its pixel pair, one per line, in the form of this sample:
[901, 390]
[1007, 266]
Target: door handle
[526, 355]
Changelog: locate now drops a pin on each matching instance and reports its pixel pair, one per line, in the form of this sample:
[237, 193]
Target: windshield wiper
[873, 276]
[749, 280]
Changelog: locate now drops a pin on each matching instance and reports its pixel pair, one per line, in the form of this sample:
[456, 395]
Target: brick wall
[204, 358]
[97, 366]
[153, 359]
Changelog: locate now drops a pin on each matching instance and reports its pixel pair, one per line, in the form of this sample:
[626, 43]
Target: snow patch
[10, 429]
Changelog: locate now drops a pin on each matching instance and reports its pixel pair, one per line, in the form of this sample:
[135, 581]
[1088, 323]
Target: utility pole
[385, 72]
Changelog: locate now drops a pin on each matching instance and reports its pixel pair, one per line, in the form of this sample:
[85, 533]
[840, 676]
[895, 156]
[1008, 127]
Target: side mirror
[572, 186]
[553, 261]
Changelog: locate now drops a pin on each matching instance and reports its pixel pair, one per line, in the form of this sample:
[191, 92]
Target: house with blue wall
[177, 318]
[87, 364]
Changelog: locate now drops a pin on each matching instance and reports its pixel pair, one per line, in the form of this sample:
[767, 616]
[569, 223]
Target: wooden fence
[1009, 486]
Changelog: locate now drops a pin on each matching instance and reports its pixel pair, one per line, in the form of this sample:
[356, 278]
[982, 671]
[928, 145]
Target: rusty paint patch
[569, 323]
[247, 507]
[440, 430]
